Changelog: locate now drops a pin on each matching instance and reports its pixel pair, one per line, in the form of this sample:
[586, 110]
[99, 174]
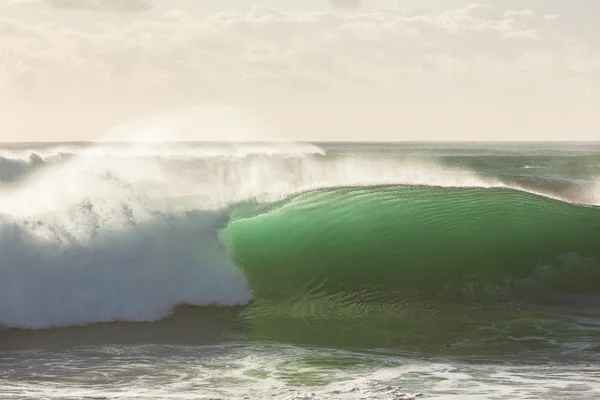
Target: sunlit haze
[311, 70]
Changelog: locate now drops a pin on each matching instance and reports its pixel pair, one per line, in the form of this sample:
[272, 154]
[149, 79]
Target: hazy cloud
[272, 47]
[98, 5]
[346, 3]
[506, 66]
[519, 13]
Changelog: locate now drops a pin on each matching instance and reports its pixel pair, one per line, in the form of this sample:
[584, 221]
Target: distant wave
[13, 169]
[17, 163]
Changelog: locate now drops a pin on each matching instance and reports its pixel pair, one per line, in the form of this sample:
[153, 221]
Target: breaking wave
[122, 233]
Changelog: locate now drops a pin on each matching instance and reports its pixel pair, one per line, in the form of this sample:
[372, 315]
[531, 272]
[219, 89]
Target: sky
[310, 70]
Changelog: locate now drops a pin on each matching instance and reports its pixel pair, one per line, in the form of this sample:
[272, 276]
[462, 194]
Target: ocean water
[299, 270]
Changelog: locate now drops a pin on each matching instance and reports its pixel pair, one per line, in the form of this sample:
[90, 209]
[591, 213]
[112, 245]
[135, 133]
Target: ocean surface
[300, 271]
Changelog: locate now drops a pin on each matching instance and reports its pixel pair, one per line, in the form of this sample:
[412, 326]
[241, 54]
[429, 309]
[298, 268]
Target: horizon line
[34, 142]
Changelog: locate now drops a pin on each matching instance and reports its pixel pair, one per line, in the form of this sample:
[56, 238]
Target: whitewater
[335, 270]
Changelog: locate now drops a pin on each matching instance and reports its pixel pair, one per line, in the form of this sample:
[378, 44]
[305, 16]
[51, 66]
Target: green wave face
[387, 245]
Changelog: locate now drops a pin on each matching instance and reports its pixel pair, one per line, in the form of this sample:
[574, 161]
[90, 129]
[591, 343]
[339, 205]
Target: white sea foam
[119, 262]
[594, 192]
[283, 373]
[82, 243]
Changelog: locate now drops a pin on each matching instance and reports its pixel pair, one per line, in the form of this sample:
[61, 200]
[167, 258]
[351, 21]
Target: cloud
[519, 13]
[270, 47]
[117, 6]
[456, 57]
[528, 34]
[348, 4]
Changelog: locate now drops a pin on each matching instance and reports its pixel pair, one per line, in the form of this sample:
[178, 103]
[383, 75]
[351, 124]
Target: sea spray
[81, 242]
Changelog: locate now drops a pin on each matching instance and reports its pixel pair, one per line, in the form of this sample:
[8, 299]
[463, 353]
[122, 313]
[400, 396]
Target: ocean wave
[13, 169]
[382, 244]
[92, 237]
